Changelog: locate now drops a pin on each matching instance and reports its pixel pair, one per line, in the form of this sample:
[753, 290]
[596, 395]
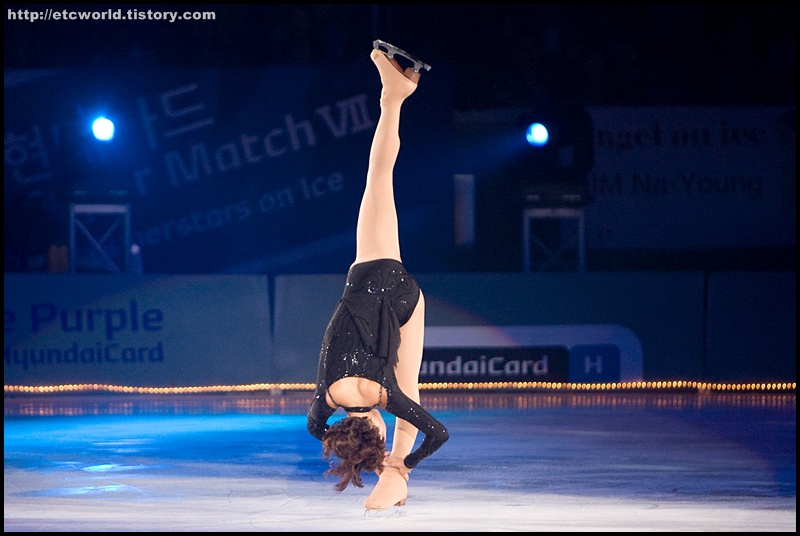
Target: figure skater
[372, 347]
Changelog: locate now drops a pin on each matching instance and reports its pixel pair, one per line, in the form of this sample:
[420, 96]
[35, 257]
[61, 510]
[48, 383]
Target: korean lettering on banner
[27, 157]
[178, 111]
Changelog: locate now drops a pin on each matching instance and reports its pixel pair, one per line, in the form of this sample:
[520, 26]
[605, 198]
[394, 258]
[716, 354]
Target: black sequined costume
[362, 339]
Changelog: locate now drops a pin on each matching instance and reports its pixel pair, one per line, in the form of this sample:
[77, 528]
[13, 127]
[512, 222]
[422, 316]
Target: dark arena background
[598, 200]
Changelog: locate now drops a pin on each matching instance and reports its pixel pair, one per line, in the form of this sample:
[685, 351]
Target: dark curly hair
[358, 445]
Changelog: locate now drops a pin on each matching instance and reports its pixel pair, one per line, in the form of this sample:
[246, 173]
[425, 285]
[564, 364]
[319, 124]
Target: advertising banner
[152, 331]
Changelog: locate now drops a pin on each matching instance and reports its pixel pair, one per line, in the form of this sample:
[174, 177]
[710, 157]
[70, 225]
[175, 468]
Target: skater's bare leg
[392, 486]
[377, 233]
[377, 236]
[409, 362]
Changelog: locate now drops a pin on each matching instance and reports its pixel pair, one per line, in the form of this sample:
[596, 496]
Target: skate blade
[391, 50]
[391, 512]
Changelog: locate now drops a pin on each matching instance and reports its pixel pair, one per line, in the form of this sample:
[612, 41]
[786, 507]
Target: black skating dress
[362, 339]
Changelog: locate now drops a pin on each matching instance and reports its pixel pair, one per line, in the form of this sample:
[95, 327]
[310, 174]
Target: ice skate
[392, 50]
[397, 83]
[390, 491]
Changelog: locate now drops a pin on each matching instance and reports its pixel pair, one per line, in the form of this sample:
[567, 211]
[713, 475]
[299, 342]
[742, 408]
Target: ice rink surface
[515, 462]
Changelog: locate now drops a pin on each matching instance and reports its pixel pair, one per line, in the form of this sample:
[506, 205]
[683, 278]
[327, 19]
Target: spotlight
[537, 134]
[94, 162]
[103, 129]
[552, 167]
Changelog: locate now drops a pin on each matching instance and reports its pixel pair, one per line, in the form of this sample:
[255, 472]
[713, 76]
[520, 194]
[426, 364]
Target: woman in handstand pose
[372, 348]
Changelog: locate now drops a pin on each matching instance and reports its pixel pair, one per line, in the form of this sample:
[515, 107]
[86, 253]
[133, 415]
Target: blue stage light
[103, 129]
[537, 134]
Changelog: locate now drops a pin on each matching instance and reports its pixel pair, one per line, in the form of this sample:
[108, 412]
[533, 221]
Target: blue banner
[237, 170]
